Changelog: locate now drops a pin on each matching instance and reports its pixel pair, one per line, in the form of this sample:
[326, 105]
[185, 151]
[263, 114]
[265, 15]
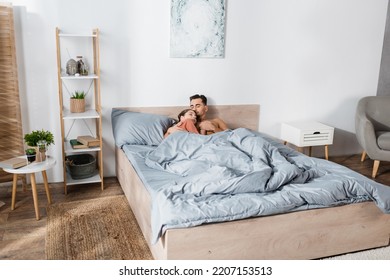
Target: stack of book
[77, 145]
[85, 141]
[15, 162]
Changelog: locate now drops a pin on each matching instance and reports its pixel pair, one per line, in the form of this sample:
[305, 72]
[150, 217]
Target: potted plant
[77, 102]
[39, 140]
[31, 154]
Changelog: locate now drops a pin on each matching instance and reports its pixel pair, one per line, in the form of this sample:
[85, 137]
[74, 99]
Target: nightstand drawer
[316, 137]
[304, 134]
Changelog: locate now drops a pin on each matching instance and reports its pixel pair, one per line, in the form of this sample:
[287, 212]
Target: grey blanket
[240, 173]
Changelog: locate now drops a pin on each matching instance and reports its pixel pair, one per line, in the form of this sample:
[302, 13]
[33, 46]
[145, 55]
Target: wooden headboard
[234, 115]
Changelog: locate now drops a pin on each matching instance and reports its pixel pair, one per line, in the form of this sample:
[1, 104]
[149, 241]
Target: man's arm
[215, 125]
[221, 124]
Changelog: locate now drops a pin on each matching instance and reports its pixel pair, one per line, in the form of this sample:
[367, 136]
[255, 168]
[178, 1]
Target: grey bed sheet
[235, 174]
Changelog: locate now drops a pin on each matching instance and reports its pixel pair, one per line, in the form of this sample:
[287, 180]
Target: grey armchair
[372, 124]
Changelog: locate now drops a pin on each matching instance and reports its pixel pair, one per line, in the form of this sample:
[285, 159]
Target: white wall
[299, 60]
[384, 73]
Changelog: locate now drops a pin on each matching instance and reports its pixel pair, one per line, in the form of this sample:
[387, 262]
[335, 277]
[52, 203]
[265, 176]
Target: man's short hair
[201, 96]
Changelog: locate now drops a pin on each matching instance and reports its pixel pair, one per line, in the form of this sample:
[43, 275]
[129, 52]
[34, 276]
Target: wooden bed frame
[309, 234]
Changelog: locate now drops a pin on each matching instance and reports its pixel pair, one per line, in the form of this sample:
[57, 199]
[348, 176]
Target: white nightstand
[308, 134]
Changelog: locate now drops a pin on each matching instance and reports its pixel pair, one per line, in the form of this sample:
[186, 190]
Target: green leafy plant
[32, 138]
[30, 151]
[78, 95]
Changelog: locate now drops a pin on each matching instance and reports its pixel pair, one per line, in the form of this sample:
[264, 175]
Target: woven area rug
[94, 229]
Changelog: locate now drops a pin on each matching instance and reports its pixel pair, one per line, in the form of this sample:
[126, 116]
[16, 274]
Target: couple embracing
[195, 119]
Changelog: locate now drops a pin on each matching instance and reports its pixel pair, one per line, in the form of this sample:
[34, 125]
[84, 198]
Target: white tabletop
[308, 125]
[33, 167]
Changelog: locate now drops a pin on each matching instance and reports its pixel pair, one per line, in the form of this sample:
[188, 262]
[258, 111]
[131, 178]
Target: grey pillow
[138, 128]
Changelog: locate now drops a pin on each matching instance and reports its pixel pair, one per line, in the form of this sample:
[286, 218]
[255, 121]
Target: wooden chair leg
[363, 156]
[375, 168]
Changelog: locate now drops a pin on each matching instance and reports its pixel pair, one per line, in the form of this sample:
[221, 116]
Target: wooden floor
[22, 237]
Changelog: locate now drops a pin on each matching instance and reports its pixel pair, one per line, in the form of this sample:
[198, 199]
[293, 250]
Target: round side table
[31, 169]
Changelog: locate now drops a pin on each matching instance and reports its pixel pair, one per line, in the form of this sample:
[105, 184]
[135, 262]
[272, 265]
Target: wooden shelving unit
[90, 122]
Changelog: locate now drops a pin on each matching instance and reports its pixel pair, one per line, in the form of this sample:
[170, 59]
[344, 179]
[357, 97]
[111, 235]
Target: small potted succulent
[31, 154]
[77, 102]
[39, 140]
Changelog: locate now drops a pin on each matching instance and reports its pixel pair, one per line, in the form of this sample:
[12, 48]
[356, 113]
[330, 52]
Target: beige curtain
[11, 135]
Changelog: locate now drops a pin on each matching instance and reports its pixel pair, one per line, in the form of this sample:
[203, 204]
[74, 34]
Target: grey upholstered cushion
[383, 140]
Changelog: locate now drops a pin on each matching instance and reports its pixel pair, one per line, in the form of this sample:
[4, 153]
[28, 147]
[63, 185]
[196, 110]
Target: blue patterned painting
[198, 28]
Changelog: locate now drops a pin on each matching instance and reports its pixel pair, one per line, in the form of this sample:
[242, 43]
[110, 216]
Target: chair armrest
[365, 133]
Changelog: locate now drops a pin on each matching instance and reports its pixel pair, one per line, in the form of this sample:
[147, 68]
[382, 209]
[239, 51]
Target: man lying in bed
[198, 103]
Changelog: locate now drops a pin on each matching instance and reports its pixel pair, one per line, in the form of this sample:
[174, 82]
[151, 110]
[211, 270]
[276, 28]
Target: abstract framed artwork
[197, 28]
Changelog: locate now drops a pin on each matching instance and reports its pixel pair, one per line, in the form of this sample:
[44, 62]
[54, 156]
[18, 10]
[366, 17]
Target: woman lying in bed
[187, 120]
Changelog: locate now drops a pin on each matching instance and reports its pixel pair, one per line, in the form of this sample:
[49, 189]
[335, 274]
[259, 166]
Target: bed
[303, 233]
